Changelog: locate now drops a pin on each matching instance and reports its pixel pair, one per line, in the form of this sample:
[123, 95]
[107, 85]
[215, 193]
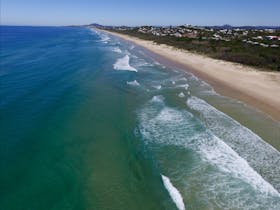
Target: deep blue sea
[90, 121]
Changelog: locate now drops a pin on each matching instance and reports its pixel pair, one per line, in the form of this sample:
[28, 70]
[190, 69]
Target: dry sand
[259, 89]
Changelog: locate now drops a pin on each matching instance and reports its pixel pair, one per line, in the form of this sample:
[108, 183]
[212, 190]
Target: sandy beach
[259, 89]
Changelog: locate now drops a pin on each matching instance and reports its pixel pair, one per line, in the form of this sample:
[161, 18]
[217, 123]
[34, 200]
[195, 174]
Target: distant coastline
[259, 89]
[258, 47]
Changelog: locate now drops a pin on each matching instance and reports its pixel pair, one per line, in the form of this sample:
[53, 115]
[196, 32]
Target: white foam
[229, 161]
[142, 62]
[173, 192]
[182, 79]
[158, 87]
[164, 125]
[193, 77]
[179, 78]
[158, 98]
[185, 86]
[127, 52]
[181, 95]
[117, 50]
[123, 64]
[259, 154]
[133, 83]
[157, 63]
[104, 38]
[178, 81]
[93, 31]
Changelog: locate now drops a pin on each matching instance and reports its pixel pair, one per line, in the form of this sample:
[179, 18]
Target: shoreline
[256, 88]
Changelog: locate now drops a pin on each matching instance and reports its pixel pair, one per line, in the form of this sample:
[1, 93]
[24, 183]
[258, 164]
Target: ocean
[89, 121]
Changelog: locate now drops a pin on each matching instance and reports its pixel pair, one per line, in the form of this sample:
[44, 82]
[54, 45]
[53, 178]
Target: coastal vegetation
[258, 48]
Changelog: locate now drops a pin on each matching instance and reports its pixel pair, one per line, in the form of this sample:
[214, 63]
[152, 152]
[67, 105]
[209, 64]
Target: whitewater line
[173, 192]
[123, 64]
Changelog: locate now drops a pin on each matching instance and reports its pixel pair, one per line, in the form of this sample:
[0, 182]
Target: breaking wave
[181, 95]
[104, 38]
[185, 86]
[123, 64]
[117, 50]
[133, 83]
[158, 87]
[162, 125]
[259, 154]
[173, 192]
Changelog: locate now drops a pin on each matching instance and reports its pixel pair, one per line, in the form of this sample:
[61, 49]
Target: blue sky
[140, 12]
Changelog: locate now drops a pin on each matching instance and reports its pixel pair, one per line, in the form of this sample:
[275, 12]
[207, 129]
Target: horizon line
[161, 25]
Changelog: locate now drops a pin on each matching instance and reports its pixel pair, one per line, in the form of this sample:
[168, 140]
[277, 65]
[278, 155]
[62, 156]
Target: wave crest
[173, 192]
[123, 64]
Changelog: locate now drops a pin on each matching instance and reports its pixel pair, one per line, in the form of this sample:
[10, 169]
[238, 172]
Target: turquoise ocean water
[89, 121]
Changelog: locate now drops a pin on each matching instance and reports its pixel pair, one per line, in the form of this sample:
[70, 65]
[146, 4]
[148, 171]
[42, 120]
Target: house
[177, 34]
[264, 45]
[190, 35]
[272, 37]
